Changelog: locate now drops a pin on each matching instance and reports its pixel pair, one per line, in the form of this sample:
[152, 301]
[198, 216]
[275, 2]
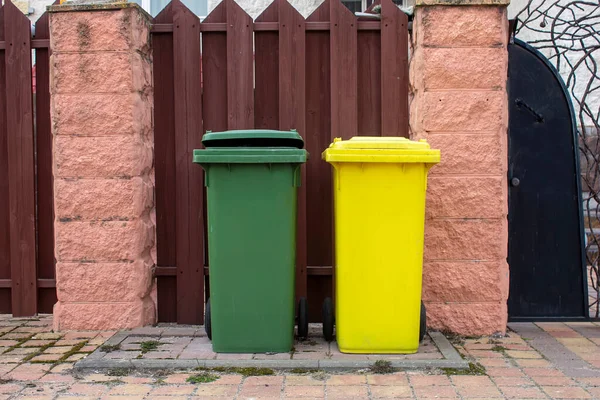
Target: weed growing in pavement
[149, 345]
[202, 377]
[382, 367]
[474, 369]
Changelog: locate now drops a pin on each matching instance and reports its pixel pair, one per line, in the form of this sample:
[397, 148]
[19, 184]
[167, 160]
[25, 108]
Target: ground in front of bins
[534, 361]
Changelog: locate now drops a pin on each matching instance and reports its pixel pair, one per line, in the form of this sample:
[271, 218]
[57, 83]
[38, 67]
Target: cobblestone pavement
[535, 361]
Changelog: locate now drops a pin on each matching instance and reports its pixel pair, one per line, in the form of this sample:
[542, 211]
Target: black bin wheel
[207, 326]
[328, 319]
[302, 318]
[423, 323]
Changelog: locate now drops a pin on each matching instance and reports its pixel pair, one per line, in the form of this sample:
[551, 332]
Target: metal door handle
[515, 182]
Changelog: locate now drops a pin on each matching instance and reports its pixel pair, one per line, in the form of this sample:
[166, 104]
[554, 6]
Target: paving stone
[344, 392]
[68, 342]
[429, 380]
[511, 371]
[88, 389]
[399, 378]
[566, 392]
[47, 336]
[304, 391]
[523, 354]
[435, 392]
[225, 391]
[263, 380]
[542, 372]
[179, 390]
[302, 380]
[23, 351]
[512, 381]
[8, 343]
[83, 335]
[130, 389]
[512, 392]
[251, 392]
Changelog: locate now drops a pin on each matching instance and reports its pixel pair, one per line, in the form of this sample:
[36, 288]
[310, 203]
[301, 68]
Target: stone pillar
[458, 78]
[103, 141]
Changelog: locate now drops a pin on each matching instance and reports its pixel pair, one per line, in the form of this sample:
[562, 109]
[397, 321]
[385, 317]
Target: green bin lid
[249, 155]
[253, 138]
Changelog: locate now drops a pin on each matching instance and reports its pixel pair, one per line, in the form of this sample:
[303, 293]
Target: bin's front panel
[252, 256]
[379, 226]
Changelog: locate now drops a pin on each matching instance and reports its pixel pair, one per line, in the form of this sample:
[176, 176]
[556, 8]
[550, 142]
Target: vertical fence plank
[5, 297]
[164, 165]
[214, 70]
[266, 94]
[394, 70]
[319, 201]
[344, 112]
[240, 66]
[369, 83]
[292, 106]
[44, 181]
[188, 176]
[20, 144]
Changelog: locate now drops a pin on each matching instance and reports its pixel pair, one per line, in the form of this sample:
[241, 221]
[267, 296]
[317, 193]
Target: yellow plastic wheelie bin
[379, 207]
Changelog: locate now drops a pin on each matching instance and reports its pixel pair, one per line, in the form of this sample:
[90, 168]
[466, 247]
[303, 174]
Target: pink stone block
[103, 282]
[467, 281]
[102, 199]
[103, 316]
[473, 26]
[466, 197]
[141, 73]
[94, 114]
[95, 157]
[468, 239]
[103, 72]
[468, 318]
[94, 31]
[464, 111]
[103, 241]
[465, 68]
[471, 153]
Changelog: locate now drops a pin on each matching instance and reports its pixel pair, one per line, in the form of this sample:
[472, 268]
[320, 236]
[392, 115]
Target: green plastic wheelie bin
[251, 180]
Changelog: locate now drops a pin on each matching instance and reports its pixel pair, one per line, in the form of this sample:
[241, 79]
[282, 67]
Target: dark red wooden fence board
[240, 67]
[5, 298]
[188, 176]
[266, 72]
[318, 182]
[369, 83]
[394, 70]
[21, 170]
[164, 164]
[344, 112]
[44, 181]
[292, 108]
[214, 69]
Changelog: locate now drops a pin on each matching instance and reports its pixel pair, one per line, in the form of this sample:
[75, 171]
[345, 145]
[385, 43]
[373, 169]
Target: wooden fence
[328, 76]
[27, 266]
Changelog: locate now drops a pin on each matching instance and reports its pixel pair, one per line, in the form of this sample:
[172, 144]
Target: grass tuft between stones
[382, 367]
[474, 369]
[202, 377]
[149, 345]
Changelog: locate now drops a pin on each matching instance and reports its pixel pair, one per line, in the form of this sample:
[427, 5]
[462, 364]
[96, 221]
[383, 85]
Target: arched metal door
[545, 255]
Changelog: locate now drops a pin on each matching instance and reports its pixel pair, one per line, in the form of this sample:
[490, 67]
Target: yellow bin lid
[381, 150]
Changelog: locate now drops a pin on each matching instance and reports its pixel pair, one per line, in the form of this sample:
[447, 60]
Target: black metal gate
[545, 251]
